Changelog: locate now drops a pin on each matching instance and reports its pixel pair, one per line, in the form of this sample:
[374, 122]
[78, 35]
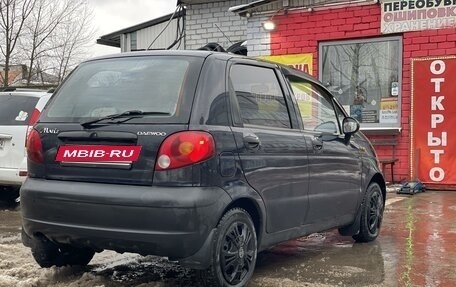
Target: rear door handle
[5, 137]
[317, 143]
[251, 142]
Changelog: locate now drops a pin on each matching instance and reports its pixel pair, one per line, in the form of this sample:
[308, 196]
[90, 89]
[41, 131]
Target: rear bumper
[165, 221]
[10, 176]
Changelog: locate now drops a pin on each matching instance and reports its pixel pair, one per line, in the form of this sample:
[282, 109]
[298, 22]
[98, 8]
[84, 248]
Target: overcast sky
[114, 15]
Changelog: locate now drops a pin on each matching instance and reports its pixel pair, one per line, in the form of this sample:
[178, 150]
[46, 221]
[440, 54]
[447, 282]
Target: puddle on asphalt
[323, 261]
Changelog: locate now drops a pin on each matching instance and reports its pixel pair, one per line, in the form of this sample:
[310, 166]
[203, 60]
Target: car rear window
[16, 110]
[157, 84]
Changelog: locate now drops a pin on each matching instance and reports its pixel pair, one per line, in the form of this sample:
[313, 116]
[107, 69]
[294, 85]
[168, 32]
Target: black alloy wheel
[375, 212]
[234, 251]
[371, 214]
[237, 253]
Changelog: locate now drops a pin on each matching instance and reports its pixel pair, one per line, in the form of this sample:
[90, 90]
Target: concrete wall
[202, 21]
[144, 37]
[275, 6]
[258, 40]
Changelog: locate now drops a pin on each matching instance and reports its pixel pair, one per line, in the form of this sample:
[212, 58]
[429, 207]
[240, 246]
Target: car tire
[233, 251]
[371, 214]
[47, 254]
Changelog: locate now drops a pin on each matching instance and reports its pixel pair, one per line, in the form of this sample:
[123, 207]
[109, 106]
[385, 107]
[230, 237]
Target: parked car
[203, 157]
[19, 110]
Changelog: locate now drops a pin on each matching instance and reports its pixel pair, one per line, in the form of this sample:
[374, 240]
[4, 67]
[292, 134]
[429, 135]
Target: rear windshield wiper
[129, 114]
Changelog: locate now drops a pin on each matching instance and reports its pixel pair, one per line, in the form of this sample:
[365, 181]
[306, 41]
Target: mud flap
[353, 228]
[26, 240]
[202, 258]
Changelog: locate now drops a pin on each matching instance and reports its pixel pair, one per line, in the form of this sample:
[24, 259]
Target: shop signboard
[416, 15]
[433, 122]
[302, 62]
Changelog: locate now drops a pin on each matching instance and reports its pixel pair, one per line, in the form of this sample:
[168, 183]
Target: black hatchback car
[205, 158]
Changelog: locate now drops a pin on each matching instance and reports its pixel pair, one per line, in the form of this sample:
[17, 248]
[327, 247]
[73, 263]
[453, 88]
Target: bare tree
[72, 41]
[47, 16]
[13, 14]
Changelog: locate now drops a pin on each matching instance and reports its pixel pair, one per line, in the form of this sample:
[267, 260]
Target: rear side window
[150, 84]
[16, 110]
[260, 98]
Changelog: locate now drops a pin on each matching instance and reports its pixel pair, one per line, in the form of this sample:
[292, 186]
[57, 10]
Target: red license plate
[97, 153]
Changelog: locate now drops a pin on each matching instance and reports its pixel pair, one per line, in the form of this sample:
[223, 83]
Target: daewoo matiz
[205, 158]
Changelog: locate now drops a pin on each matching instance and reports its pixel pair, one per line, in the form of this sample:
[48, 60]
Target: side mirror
[349, 126]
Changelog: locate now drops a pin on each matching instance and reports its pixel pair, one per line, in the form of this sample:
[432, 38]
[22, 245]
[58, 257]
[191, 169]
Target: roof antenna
[178, 7]
[223, 33]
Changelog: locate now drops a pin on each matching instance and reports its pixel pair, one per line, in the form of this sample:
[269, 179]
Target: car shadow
[9, 198]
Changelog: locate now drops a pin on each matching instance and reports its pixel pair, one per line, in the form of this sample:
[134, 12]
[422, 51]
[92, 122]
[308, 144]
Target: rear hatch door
[15, 113]
[108, 120]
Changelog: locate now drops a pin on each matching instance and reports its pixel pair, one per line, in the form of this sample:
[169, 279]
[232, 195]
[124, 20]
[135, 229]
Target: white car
[19, 111]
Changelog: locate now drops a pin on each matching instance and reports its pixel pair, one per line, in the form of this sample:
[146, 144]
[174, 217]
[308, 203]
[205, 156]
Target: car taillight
[33, 119]
[34, 148]
[185, 148]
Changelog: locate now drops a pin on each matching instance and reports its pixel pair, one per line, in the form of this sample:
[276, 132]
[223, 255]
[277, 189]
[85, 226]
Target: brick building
[17, 77]
[363, 51]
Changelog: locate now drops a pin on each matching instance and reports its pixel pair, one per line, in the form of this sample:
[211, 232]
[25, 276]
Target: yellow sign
[302, 93]
[302, 62]
[388, 104]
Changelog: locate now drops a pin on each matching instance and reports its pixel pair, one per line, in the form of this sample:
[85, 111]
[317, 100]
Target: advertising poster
[416, 15]
[433, 141]
[388, 110]
[369, 116]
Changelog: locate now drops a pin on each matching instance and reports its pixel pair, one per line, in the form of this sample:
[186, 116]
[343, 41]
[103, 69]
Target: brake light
[33, 119]
[34, 147]
[185, 148]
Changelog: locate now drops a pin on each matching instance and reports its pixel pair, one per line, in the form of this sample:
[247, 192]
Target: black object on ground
[412, 188]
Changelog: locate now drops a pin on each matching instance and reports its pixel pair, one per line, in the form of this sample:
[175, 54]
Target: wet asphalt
[416, 247]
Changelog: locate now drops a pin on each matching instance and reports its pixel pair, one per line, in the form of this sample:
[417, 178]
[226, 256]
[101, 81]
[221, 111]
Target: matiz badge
[97, 153]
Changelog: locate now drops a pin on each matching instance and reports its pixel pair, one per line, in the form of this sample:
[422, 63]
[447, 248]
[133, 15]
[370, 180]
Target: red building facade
[304, 31]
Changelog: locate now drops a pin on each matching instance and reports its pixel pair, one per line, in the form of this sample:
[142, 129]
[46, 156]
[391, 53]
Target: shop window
[133, 41]
[365, 76]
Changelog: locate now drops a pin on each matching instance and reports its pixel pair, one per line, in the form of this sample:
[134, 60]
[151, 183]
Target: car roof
[190, 53]
[43, 101]
[27, 93]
